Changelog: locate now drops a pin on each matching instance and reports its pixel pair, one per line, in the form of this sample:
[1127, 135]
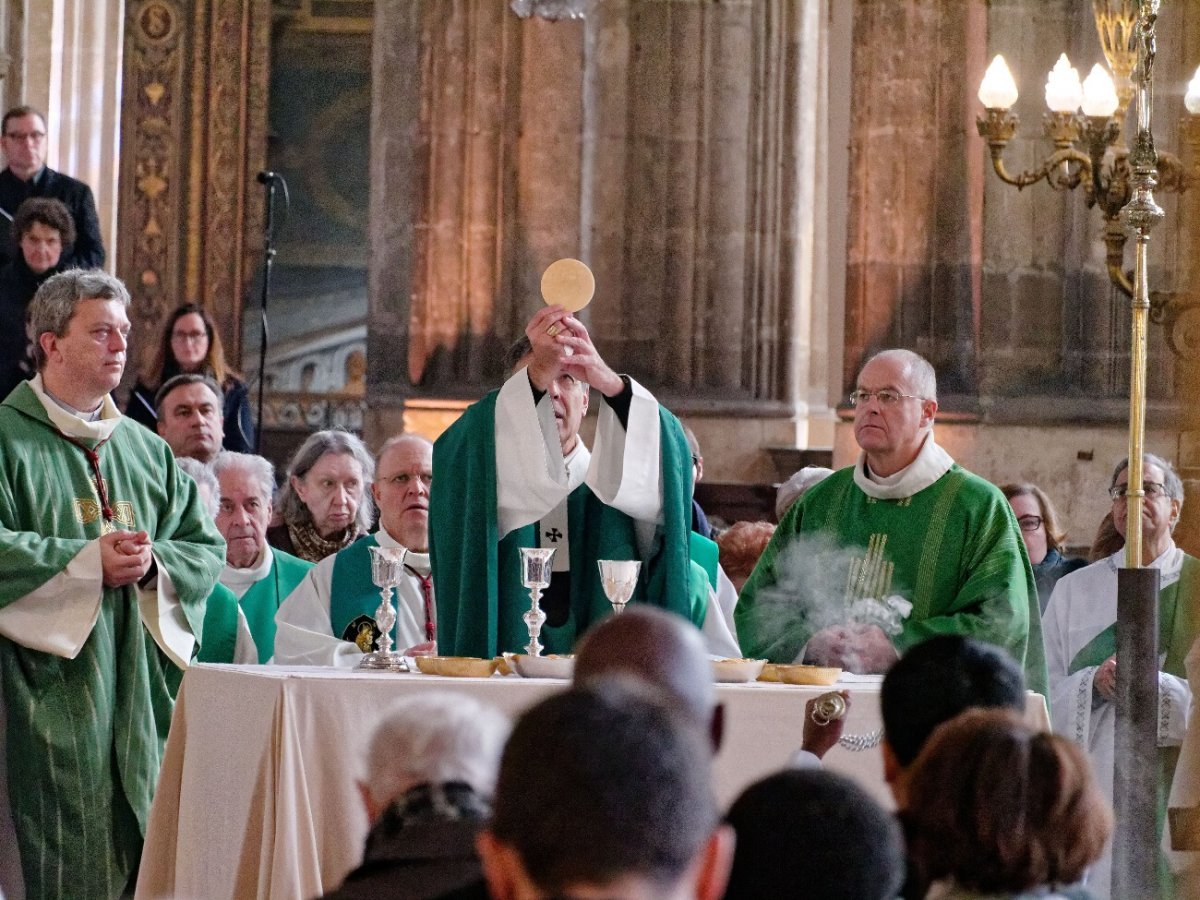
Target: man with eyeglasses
[905, 521]
[329, 619]
[1080, 630]
[24, 142]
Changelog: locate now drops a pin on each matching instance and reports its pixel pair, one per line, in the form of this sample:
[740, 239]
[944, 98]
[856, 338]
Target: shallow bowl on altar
[550, 666]
[737, 670]
[799, 674]
[457, 666]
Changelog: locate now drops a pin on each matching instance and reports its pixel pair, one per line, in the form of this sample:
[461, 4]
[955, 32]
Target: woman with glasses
[191, 345]
[1079, 628]
[1044, 537]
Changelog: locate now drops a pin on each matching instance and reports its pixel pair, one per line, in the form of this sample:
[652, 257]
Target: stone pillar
[70, 68]
[913, 276]
[193, 137]
[674, 146]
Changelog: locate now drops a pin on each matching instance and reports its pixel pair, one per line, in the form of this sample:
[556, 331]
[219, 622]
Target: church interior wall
[768, 190]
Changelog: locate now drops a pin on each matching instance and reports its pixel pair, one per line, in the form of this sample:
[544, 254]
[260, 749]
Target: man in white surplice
[329, 619]
[518, 453]
[1079, 630]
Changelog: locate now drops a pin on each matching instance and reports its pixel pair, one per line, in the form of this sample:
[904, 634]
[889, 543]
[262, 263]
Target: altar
[257, 795]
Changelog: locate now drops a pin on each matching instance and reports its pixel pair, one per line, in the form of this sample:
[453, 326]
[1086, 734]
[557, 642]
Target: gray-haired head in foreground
[435, 738]
[206, 481]
[336, 441]
[658, 647]
[602, 783]
[918, 371]
[257, 468]
[796, 486]
[54, 303]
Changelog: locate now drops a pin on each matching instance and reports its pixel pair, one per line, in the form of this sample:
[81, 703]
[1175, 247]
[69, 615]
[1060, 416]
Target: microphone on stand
[269, 180]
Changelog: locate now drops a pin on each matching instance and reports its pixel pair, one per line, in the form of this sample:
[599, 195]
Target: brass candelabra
[1085, 126]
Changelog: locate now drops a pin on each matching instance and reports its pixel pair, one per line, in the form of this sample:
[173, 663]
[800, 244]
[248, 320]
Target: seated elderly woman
[740, 546]
[1044, 537]
[994, 808]
[324, 506]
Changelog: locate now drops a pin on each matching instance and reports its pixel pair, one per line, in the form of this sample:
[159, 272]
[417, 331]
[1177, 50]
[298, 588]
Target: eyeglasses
[886, 397]
[36, 136]
[1149, 488]
[1030, 523]
[188, 335]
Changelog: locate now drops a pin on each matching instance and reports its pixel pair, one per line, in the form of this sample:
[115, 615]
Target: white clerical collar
[72, 422]
[257, 571]
[1169, 563]
[577, 462]
[932, 463]
[418, 561]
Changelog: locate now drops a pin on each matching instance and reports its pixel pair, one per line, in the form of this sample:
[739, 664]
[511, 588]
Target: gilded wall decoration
[193, 137]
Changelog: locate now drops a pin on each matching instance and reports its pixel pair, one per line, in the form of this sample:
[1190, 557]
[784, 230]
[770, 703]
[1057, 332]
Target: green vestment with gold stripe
[953, 550]
[85, 735]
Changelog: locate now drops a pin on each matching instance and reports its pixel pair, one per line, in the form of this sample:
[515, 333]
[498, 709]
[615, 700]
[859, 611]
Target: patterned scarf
[311, 546]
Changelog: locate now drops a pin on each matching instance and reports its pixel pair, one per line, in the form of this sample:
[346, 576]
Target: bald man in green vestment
[915, 525]
[108, 559]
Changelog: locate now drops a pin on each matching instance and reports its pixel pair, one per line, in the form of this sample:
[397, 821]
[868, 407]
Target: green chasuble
[952, 549]
[86, 735]
[261, 600]
[477, 577]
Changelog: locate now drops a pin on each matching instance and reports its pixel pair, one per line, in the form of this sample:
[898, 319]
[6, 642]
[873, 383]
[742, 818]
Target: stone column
[675, 146]
[913, 276]
[71, 69]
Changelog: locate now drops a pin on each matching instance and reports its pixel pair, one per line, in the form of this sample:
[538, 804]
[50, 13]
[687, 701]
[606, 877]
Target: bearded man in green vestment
[904, 521]
[513, 472]
[108, 560]
[259, 575]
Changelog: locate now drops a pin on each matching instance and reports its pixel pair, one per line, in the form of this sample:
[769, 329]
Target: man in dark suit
[24, 142]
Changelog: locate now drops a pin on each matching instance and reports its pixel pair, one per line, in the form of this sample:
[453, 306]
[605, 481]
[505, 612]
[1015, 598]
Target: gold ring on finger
[552, 330]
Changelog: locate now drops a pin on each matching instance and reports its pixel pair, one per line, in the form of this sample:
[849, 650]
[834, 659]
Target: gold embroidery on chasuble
[88, 510]
[870, 575]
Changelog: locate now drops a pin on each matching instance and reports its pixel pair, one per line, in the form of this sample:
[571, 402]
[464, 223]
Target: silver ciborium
[618, 577]
[387, 568]
[535, 575]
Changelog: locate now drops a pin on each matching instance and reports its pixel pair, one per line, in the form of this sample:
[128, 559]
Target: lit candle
[1099, 93]
[998, 90]
[1192, 98]
[1063, 90]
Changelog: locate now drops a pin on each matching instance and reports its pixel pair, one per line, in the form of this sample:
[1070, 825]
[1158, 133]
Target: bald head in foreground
[621, 805]
[662, 649]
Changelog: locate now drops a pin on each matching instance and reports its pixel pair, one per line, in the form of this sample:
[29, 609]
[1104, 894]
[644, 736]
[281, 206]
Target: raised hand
[549, 351]
[584, 361]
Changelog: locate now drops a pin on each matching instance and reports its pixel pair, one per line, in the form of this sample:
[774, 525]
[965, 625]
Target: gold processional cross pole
[1135, 783]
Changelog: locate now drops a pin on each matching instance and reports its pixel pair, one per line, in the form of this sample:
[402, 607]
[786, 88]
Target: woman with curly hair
[191, 344]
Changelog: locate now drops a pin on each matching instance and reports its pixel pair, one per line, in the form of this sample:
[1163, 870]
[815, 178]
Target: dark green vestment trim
[353, 596]
[219, 639]
[263, 598]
